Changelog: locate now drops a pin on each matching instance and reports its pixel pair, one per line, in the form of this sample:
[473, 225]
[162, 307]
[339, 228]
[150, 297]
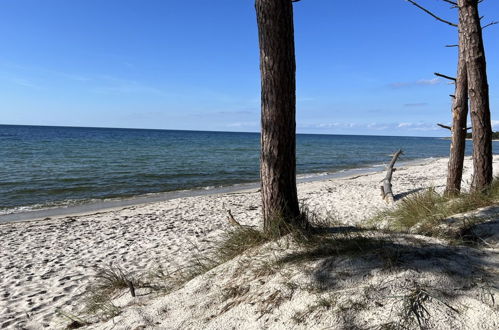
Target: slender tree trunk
[459, 116]
[478, 91]
[278, 88]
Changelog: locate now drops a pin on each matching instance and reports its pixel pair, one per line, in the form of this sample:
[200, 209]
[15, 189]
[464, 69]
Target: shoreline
[114, 204]
[48, 265]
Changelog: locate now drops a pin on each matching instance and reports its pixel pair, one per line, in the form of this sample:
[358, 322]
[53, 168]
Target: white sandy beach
[47, 264]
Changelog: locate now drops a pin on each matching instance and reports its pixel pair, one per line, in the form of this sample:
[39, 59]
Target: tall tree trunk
[278, 88]
[478, 91]
[459, 116]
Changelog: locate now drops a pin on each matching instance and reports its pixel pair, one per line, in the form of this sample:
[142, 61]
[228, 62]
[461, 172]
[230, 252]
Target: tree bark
[478, 91]
[459, 116]
[278, 107]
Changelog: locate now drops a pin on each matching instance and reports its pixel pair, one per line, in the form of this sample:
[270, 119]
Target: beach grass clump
[99, 296]
[418, 306]
[243, 238]
[238, 240]
[415, 308]
[75, 321]
[424, 211]
[234, 242]
[425, 206]
[100, 304]
[112, 278]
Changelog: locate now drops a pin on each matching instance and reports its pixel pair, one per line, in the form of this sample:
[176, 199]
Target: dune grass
[75, 321]
[317, 240]
[233, 243]
[99, 296]
[423, 211]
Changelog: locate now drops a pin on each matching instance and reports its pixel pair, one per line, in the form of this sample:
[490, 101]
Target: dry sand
[47, 265]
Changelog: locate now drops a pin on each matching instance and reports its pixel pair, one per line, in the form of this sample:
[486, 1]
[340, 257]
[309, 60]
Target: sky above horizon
[363, 67]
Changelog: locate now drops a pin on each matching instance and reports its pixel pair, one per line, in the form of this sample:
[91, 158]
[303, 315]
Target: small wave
[45, 206]
[312, 175]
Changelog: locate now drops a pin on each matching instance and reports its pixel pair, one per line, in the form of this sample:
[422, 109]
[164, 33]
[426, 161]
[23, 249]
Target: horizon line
[210, 131]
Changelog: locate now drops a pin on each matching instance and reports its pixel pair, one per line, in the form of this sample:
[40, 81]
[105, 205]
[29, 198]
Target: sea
[45, 167]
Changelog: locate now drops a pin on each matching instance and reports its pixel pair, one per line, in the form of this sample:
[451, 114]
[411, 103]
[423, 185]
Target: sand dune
[46, 265]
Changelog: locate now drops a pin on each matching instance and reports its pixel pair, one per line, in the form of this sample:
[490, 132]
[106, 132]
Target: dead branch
[231, 219]
[445, 126]
[131, 287]
[386, 188]
[444, 76]
[450, 128]
[431, 14]
[490, 24]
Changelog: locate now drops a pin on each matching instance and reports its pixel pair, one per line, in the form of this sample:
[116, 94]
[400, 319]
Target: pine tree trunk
[278, 97]
[478, 91]
[459, 116]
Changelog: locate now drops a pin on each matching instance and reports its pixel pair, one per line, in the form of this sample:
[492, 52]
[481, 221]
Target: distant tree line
[495, 135]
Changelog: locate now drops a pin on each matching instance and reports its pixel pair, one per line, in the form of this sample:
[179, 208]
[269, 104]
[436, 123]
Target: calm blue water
[51, 166]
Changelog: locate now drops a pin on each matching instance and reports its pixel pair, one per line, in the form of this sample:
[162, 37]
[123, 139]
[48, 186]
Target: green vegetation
[321, 240]
[99, 296]
[112, 279]
[424, 211]
[233, 243]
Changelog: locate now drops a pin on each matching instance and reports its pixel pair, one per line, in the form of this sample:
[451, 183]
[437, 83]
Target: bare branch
[451, 45]
[431, 14]
[445, 126]
[444, 76]
[491, 23]
[450, 128]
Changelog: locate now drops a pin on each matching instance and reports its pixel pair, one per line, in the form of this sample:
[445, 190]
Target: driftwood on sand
[386, 188]
[231, 219]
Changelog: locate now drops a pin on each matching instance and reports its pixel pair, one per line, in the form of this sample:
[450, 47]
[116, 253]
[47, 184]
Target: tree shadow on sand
[405, 194]
[420, 279]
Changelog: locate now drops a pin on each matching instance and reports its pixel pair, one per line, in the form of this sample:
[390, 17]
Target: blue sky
[363, 66]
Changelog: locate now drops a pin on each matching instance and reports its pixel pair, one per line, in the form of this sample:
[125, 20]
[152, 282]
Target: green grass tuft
[108, 281]
[423, 211]
[111, 278]
[238, 240]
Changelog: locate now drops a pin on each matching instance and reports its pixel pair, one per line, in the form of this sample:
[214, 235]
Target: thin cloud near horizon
[420, 82]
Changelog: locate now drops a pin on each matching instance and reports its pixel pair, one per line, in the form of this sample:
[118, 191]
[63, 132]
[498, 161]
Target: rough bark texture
[478, 91]
[459, 116]
[278, 138]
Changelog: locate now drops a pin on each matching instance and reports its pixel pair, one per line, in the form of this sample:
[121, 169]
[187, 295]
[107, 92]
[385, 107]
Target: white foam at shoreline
[79, 207]
[45, 265]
